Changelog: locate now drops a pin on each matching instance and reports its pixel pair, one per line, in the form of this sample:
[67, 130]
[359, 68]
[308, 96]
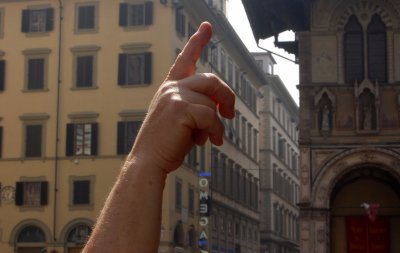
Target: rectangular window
[2, 74]
[127, 132]
[37, 20]
[135, 69]
[223, 63]
[81, 192]
[31, 193]
[214, 56]
[86, 17]
[140, 14]
[191, 30]
[249, 139]
[82, 139]
[243, 128]
[255, 144]
[178, 194]
[36, 72]
[230, 72]
[84, 71]
[33, 140]
[180, 23]
[191, 200]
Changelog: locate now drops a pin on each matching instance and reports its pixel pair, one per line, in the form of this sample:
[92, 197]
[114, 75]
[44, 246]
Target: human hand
[183, 111]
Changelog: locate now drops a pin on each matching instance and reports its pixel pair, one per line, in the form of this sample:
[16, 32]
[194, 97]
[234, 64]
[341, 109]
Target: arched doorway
[77, 237]
[352, 231]
[31, 239]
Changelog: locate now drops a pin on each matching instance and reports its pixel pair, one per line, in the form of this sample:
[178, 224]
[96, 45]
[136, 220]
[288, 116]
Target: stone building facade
[349, 57]
[279, 166]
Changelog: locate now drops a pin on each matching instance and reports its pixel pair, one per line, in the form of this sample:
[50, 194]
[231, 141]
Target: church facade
[349, 62]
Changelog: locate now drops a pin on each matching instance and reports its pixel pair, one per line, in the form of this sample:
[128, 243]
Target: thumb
[185, 63]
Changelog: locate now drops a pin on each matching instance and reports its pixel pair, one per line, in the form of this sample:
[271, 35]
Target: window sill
[95, 87]
[34, 90]
[31, 208]
[133, 85]
[136, 28]
[86, 31]
[37, 34]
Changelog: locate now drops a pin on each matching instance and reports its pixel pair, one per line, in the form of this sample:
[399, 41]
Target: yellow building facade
[76, 78]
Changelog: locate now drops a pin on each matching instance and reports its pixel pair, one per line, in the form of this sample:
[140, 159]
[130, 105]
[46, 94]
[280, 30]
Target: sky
[287, 71]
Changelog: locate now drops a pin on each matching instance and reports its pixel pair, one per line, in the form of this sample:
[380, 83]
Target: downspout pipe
[57, 140]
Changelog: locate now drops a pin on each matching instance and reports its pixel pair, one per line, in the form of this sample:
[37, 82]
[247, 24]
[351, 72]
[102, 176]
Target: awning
[271, 17]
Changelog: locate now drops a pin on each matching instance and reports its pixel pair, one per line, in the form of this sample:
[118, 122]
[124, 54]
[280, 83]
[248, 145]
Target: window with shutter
[86, 17]
[82, 139]
[33, 140]
[126, 135]
[35, 74]
[37, 20]
[81, 192]
[84, 71]
[138, 14]
[180, 23]
[31, 194]
[134, 69]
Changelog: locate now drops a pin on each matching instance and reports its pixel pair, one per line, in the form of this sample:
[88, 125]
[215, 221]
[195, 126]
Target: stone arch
[337, 167]
[364, 11]
[26, 223]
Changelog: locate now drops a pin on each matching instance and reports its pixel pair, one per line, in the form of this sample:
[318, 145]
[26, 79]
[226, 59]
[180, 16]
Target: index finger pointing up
[185, 63]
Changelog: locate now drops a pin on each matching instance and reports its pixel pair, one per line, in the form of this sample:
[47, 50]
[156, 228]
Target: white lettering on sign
[203, 235]
[203, 195]
[204, 208]
[203, 221]
[203, 182]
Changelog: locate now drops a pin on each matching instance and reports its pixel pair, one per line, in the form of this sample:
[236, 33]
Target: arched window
[377, 50]
[79, 234]
[353, 51]
[31, 239]
[31, 234]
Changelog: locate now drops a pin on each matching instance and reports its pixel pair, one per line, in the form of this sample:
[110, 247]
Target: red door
[365, 236]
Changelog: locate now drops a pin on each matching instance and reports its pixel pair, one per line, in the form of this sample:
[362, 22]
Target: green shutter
[49, 19]
[148, 68]
[123, 14]
[2, 74]
[94, 139]
[121, 138]
[148, 13]
[44, 193]
[19, 193]
[122, 69]
[25, 21]
[69, 150]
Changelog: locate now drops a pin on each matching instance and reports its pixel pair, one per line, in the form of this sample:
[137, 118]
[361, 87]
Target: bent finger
[214, 88]
[205, 119]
